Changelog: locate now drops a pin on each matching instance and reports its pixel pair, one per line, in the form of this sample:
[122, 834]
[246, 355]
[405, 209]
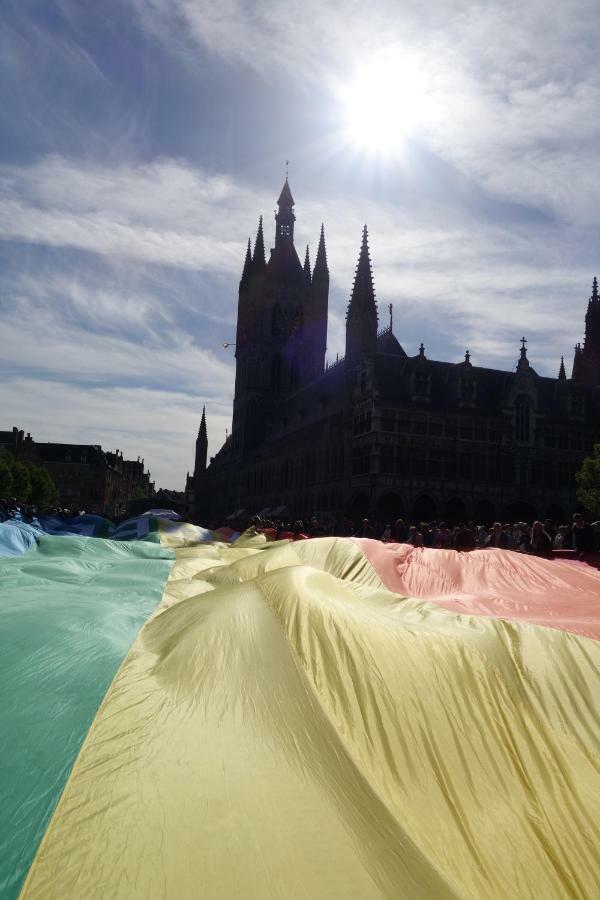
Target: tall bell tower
[282, 325]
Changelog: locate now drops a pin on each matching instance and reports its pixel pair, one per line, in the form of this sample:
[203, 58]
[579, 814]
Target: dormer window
[421, 384]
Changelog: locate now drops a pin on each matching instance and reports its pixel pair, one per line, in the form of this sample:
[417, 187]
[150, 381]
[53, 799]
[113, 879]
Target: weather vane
[287, 167]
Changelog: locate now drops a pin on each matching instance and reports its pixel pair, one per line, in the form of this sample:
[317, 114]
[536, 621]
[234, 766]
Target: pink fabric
[499, 583]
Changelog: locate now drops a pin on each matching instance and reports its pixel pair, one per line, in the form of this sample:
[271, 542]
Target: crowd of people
[27, 512]
[539, 538]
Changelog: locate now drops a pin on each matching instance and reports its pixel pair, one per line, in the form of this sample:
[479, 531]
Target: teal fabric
[70, 609]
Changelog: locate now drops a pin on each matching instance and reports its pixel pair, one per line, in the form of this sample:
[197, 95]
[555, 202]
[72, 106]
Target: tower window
[284, 230]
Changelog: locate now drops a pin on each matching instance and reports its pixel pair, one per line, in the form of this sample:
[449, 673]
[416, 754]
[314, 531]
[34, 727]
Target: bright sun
[383, 104]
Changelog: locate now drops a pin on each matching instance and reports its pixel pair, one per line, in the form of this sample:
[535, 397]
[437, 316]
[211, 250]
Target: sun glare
[383, 104]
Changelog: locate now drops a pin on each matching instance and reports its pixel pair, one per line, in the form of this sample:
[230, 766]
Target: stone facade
[380, 432]
[85, 476]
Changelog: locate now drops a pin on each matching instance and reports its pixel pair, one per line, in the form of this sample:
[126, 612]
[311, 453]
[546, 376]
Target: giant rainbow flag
[187, 716]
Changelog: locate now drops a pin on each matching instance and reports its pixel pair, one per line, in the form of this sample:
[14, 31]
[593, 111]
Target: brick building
[383, 432]
[85, 476]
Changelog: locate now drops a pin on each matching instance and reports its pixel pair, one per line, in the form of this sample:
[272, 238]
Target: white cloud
[157, 425]
[514, 87]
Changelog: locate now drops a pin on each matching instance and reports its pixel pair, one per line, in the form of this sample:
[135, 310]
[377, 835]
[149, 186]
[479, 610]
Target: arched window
[523, 419]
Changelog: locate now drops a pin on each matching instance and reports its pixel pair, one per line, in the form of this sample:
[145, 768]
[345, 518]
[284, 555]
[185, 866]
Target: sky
[141, 139]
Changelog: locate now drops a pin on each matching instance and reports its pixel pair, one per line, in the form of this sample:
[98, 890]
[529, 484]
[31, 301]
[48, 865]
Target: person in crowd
[443, 537]
[540, 542]
[386, 536]
[414, 536]
[583, 535]
[465, 538]
[559, 538]
[497, 537]
[511, 532]
[399, 532]
[481, 536]
[550, 528]
[366, 530]
[428, 531]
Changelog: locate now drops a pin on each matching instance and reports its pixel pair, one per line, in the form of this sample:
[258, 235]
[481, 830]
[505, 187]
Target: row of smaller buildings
[86, 476]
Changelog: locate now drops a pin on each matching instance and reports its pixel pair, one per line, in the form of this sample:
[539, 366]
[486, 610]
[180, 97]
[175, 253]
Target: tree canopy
[27, 482]
[588, 482]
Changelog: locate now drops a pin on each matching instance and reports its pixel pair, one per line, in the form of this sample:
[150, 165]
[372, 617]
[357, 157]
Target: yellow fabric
[284, 727]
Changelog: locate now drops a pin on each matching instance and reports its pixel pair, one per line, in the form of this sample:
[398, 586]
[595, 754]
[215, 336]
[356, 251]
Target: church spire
[258, 258]
[361, 318]
[285, 218]
[201, 446]
[307, 265]
[562, 375]
[592, 321]
[320, 268]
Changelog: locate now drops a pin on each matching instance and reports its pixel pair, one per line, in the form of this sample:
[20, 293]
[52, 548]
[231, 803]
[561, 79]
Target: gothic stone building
[86, 476]
[380, 432]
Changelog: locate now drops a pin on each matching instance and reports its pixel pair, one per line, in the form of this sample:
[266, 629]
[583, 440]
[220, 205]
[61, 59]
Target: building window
[285, 230]
[421, 384]
[523, 419]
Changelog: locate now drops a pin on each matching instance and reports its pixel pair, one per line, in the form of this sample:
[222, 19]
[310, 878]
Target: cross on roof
[523, 342]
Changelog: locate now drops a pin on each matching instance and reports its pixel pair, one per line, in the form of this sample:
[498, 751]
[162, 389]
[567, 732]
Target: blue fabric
[17, 537]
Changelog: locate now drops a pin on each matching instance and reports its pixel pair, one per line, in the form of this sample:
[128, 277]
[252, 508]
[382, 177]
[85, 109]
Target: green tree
[6, 478]
[43, 490]
[21, 481]
[588, 482]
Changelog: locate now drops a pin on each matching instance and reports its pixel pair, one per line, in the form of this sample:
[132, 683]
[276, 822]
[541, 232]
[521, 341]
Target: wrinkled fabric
[492, 582]
[17, 537]
[70, 609]
[286, 727]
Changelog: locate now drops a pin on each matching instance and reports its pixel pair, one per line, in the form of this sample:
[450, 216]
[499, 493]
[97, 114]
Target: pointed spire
[361, 318]
[363, 292]
[576, 371]
[259, 246]
[562, 375]
[201, 446]
[321, 258]
[285, 198]
[247, 264]
[202, 429]
[594, 296]
[307, 264]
